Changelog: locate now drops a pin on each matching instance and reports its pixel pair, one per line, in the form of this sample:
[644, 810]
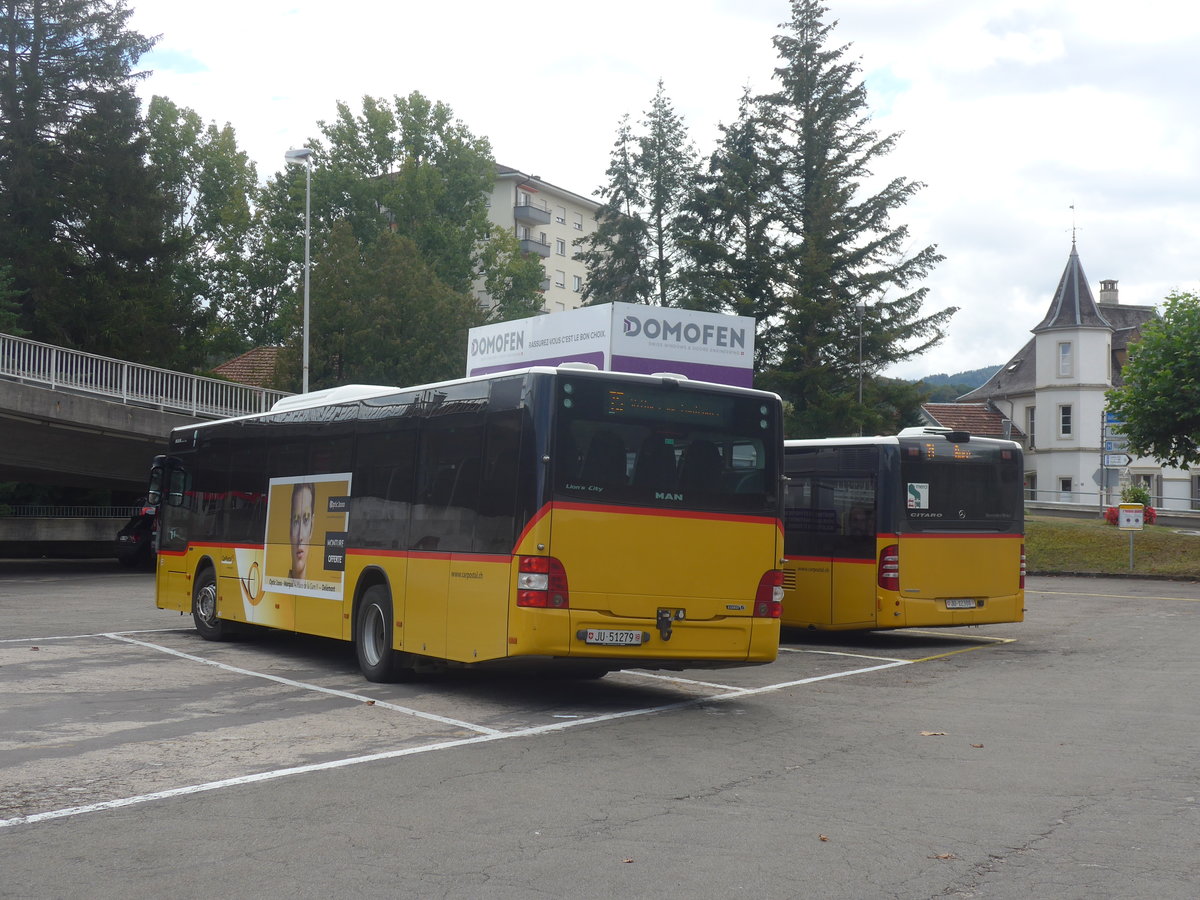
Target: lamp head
[299, 156]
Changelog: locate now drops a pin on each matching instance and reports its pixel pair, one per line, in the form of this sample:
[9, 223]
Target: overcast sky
[1011, 113]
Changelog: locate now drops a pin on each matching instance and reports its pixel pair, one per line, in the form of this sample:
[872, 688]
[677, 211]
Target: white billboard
[622, 337]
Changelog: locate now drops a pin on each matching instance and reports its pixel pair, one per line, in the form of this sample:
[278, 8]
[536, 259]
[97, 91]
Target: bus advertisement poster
[307, 520]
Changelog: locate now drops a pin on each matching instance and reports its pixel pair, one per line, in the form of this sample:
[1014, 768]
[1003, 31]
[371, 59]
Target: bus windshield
[669, 446]
[967, 486]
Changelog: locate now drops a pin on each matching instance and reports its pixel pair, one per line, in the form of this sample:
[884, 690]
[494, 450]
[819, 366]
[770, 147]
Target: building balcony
[529, 245]
[528, 214]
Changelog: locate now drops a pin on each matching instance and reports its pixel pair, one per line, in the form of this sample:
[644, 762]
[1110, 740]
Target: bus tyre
[373, 637]
[204, 608]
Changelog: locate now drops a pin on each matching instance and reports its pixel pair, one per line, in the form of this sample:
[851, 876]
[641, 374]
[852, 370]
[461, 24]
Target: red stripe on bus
[870, 561]
[668, 513]
[958, 536]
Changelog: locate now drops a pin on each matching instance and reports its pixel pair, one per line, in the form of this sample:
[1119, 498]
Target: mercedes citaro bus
[924, 528]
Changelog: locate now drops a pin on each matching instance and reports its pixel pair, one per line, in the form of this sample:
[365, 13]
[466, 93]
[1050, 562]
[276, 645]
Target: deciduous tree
[1159, 400]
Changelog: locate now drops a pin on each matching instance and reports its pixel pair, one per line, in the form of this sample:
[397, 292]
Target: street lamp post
[860, 309]
[303, 156]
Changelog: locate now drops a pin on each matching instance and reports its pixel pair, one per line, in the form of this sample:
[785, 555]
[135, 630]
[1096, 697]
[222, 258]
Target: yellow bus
[604, 519]
[925, 528]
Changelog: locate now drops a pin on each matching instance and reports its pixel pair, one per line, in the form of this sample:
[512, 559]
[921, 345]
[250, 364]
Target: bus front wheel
[204, 608]
[373, 637]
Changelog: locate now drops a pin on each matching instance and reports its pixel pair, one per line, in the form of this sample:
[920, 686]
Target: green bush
[1135, 493]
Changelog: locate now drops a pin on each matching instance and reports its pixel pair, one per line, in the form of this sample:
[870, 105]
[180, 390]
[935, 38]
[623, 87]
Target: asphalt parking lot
[1053, 758]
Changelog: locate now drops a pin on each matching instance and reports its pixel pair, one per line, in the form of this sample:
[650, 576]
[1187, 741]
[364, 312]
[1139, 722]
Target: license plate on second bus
[960, 603]
[613, 637]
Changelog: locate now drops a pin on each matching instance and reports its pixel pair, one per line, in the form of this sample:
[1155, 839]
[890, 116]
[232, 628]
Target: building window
[577, 283]
[1064, 490]
[1196, 492]
[1031, 486]
[1066, 361]
[1030, 423]
[522, 232]
[578, 223]
[560, 246]
[560, 278]
[560, 215]
[1064, 420]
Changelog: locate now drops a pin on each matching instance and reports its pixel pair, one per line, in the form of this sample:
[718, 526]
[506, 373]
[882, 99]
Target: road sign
[1111, 419]
[1117, 460]
[1112, 431]
[1116, 446]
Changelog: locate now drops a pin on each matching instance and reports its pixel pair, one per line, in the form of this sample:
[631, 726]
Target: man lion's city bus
[608, 519]
[924, 528]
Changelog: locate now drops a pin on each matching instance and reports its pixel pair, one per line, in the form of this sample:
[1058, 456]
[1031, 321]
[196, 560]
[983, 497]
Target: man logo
[667, 495]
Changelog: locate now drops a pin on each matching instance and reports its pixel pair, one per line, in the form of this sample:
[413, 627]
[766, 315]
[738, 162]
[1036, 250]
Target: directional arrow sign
[1117, 460]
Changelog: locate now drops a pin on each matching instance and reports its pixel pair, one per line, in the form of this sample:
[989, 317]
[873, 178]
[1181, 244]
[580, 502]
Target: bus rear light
[542, 583]
[768, 599]
[889, 567]
[1022, 567]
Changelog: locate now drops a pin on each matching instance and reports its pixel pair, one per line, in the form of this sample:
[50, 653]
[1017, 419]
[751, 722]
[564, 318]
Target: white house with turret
[1051, 397]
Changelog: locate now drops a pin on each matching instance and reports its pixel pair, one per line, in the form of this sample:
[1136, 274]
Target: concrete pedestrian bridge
[79, 420]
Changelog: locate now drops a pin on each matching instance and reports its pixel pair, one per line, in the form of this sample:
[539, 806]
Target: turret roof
[1073, 305]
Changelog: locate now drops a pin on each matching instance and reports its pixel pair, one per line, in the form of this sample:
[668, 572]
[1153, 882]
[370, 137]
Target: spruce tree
[838, 247]
[729, 230]
[666, 166]
[81, 224]
[616, 253]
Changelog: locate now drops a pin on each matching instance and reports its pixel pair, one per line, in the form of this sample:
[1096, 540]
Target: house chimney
[1108, 293]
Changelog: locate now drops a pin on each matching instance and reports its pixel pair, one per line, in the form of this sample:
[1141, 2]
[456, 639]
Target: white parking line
[411, 751]
[841, 653]
[674, 678]
[361, 698]
[72, 637]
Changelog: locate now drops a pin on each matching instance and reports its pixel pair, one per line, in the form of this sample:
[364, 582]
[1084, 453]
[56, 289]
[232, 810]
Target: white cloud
[1011, 113]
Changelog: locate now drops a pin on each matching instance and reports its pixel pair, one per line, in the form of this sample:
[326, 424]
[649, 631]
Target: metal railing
[27, 510]
[72, 370]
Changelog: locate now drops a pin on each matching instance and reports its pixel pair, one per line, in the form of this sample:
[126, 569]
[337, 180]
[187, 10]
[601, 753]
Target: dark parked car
[135, 542]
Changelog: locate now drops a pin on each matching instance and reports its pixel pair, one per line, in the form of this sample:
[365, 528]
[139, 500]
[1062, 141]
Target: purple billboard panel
[596, 359]
[738, 377]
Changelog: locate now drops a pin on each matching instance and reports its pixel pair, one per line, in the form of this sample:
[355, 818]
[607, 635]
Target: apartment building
[547, 220]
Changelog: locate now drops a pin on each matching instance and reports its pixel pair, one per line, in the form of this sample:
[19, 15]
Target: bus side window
[494, 525]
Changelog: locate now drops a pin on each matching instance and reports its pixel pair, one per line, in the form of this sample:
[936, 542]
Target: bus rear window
[648, 445]
[949, 486]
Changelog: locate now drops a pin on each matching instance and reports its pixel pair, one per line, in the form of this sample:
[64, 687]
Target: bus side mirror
[176, 492]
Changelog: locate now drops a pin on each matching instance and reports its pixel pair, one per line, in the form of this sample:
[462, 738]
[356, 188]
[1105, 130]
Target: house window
[1064, 490]
[560, 246]
[1066, 362]
[560, 278]
[578, 223]
[523, 232]
[577, 283]
[1031, 486]
[1064, 420]
[1196, 492]
[1030, 422]
[560, 215]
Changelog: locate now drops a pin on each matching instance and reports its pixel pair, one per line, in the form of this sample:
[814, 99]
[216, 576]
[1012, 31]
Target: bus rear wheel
[373, 638]
[204, 608]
